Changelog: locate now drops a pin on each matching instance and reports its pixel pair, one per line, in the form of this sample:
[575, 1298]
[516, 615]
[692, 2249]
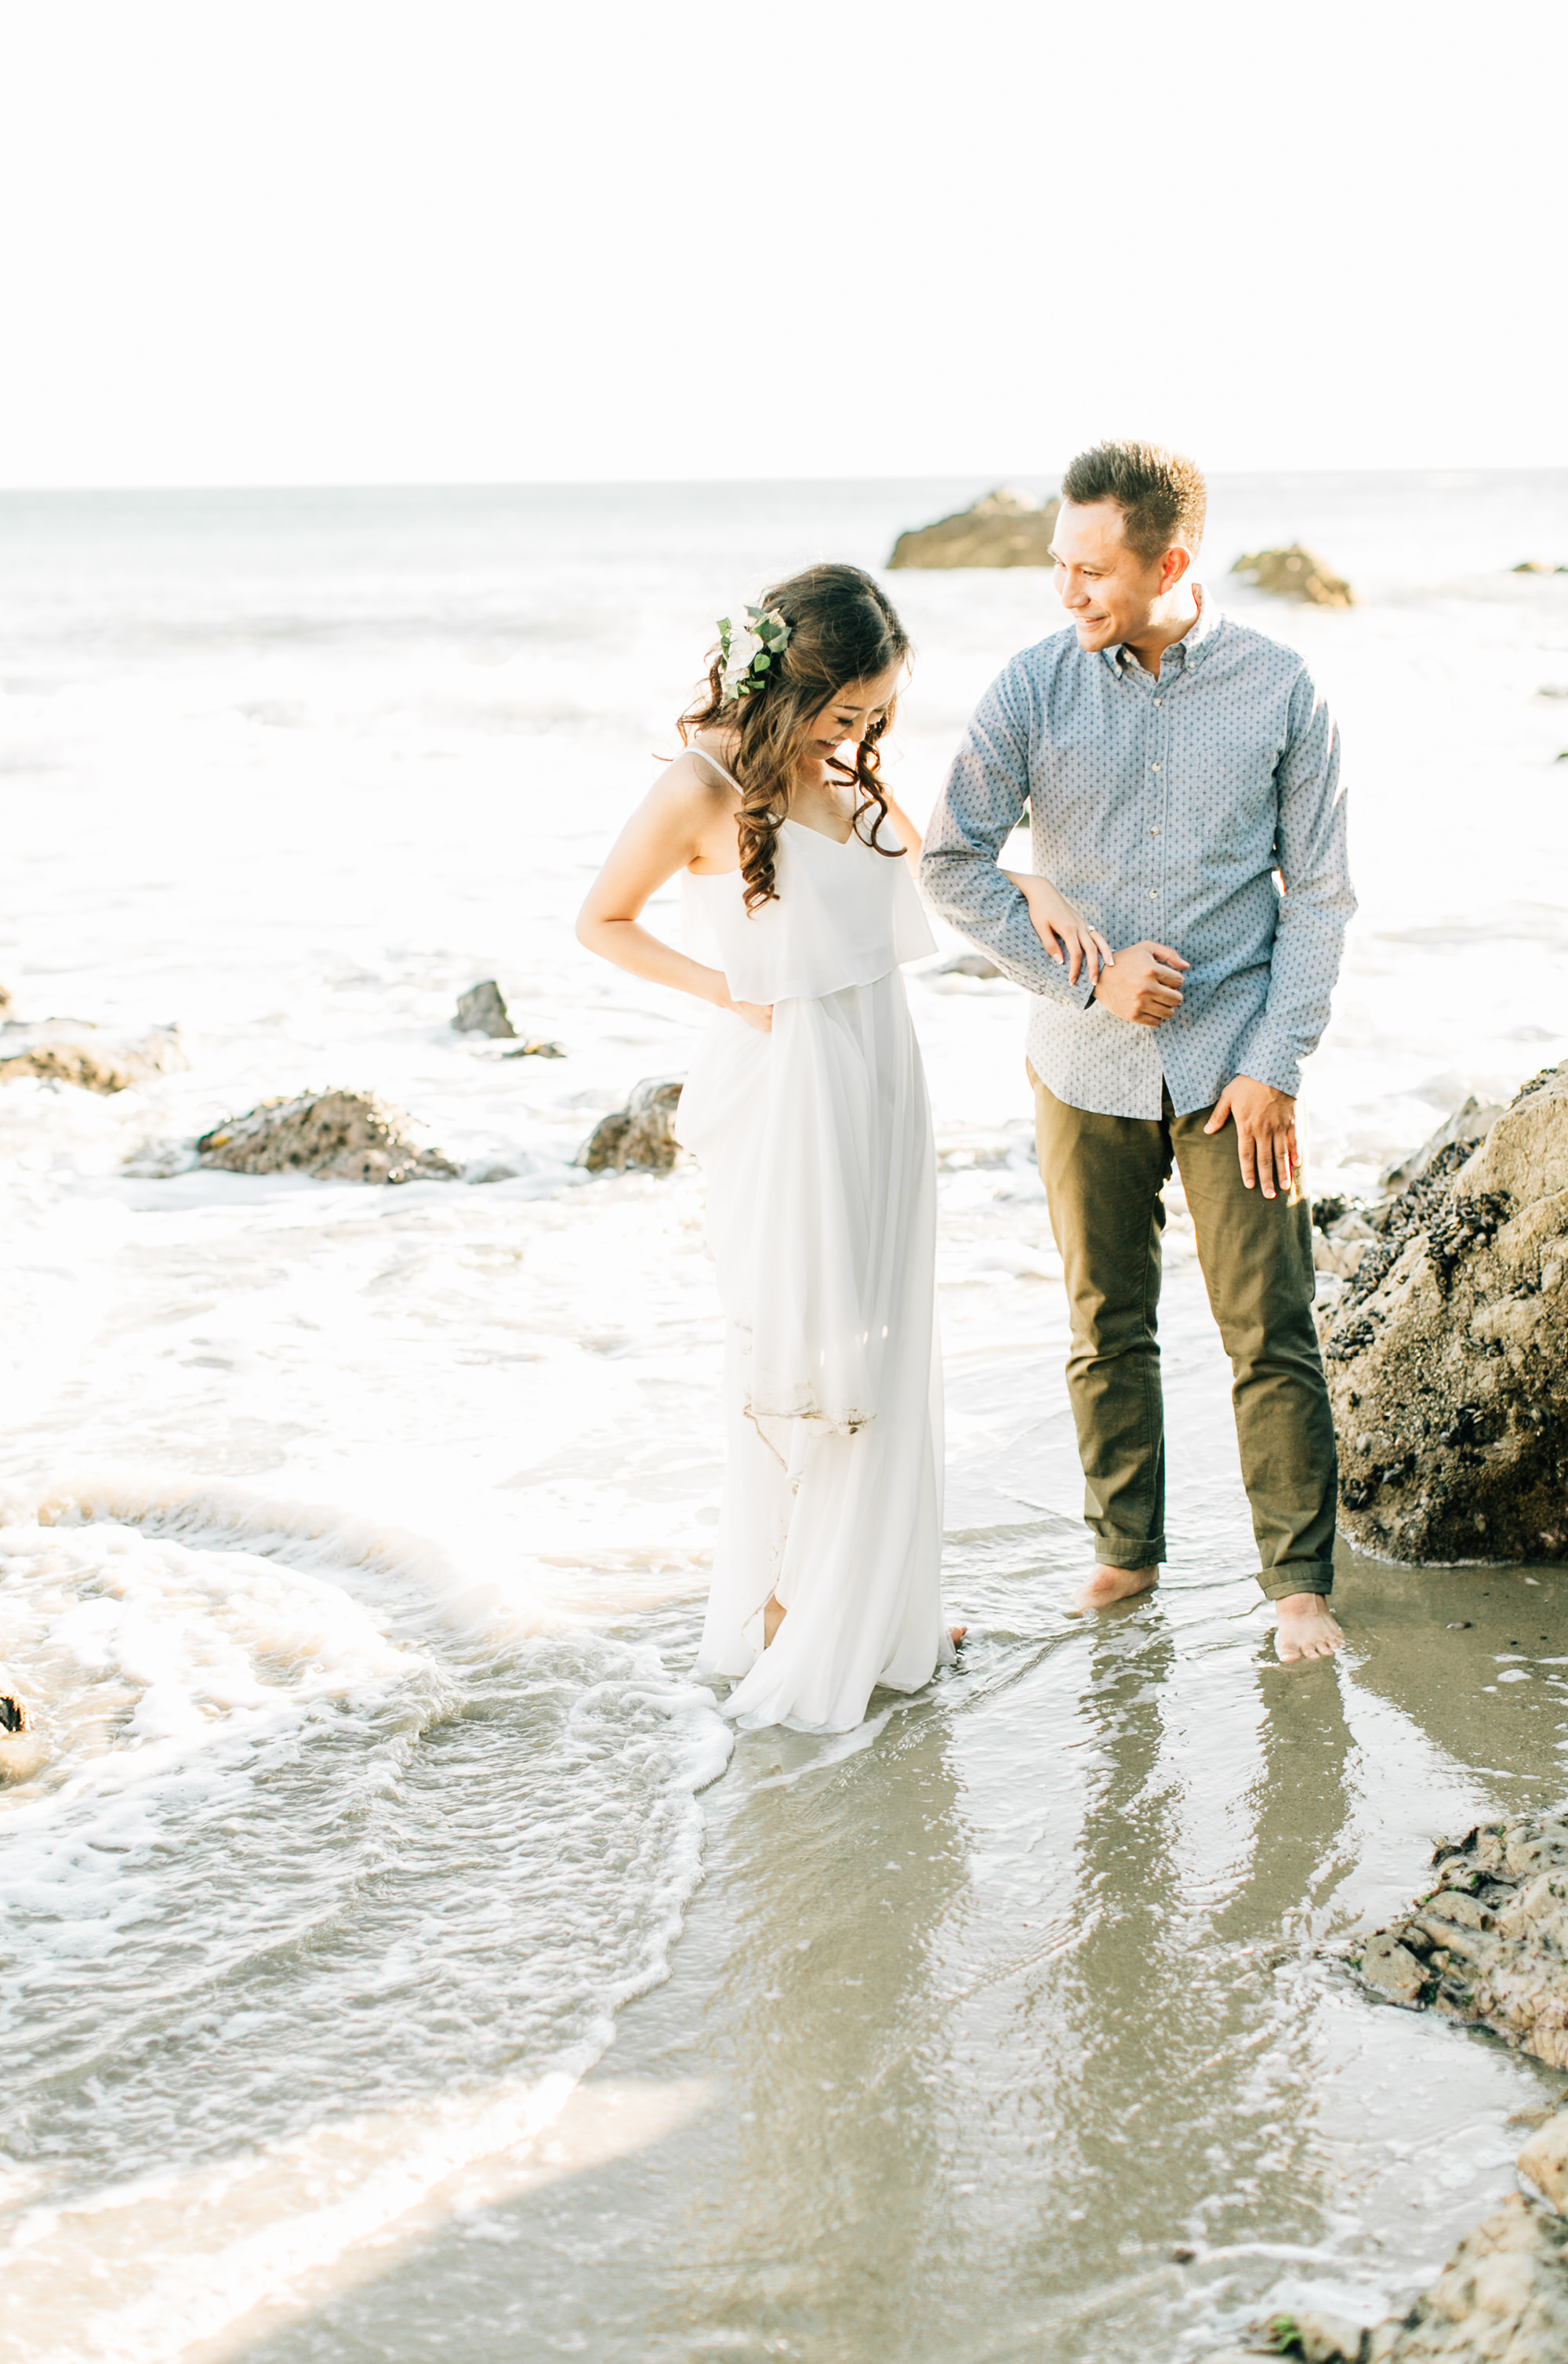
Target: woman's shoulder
[702, 771]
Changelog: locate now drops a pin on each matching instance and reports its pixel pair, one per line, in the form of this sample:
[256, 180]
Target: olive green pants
[1103, 1177]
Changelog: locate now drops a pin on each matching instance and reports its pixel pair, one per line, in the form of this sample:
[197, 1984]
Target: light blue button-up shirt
[1170, 809]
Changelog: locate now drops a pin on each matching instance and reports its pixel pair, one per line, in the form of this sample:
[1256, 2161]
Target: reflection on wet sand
[831, 1996]
[1298, 1805]
[1003, 2008]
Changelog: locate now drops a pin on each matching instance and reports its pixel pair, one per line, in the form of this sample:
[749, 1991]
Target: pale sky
[260, 241]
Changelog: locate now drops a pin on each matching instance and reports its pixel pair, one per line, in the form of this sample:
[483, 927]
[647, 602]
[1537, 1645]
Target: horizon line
[997, 479]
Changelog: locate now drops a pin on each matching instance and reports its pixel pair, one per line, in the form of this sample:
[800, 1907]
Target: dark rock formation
[337, 1136]
[1000, 530]
[1487, 1943]
[1447, 1353]
[95, 1058]
[482, 1010]
[23, 1750]
[1295, 573]
[637, 1138]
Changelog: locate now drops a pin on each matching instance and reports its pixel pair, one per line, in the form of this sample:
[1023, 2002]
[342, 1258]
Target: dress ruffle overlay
[817, 1143]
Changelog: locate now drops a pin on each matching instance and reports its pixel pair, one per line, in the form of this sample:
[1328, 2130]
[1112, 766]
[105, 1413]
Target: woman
[806, 1106]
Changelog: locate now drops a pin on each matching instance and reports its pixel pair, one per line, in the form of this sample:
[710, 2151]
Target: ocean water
[353, 1540]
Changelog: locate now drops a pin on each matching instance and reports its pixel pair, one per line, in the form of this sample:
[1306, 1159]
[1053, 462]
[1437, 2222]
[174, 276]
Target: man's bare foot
[772, 1618]
[1108, 1584]
[1306, 1627]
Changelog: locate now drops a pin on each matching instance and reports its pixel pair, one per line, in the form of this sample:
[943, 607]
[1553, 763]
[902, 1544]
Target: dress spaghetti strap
[718, 768]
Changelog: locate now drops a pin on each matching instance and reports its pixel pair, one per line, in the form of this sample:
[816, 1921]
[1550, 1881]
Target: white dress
[818, 1147]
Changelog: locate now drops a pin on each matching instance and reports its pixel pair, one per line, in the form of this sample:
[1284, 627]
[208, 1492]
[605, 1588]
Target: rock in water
[1487, 1943]
[1000, 530]
[1447, 1355]
[637, 1138]
[1295, 574]
[94, 1058]
[969, 965]
[482, 1010]
[22, 1750]
[336, 1136]
[1501, 2299]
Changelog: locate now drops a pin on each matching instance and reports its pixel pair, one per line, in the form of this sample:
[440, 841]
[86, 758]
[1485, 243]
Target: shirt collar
[1190, 650]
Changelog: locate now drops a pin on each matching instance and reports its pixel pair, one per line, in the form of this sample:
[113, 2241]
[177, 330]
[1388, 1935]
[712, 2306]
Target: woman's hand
[759, 1014]
[1069, 940]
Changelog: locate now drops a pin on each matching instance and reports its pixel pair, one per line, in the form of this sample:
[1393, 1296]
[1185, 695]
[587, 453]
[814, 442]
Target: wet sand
[984, 2014]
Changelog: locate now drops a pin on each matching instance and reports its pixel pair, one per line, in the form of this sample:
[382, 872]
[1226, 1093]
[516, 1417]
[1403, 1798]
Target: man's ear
[1172, 567]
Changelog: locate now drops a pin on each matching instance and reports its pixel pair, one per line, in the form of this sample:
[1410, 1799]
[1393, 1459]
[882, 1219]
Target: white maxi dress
[817, 1143]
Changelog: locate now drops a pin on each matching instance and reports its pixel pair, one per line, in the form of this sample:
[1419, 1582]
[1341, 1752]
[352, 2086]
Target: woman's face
[850, 714]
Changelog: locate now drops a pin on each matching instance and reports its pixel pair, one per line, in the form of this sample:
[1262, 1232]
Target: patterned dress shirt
[1202, 810]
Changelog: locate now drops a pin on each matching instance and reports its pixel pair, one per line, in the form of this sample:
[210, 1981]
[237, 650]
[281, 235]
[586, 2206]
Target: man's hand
[1143, 985]
[1265, 1133]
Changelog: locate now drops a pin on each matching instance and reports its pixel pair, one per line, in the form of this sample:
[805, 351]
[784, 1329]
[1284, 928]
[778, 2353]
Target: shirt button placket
[1157, 781]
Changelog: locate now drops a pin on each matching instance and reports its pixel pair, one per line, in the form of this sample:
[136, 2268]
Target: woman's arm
[1054, 921]
[669, 829]
[909, 835]
[1060, 930]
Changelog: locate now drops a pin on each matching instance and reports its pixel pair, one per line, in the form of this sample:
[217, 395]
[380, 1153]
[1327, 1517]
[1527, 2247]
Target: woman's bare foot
[956, 1634]
[1108, 1584]
[1306, 1627]
[772, 1618]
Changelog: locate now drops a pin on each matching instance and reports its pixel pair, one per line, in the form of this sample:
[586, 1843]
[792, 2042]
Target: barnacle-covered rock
[336, 1136]
[1447, 1350]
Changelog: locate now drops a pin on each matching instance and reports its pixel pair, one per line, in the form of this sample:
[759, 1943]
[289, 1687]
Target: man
[1182, 775]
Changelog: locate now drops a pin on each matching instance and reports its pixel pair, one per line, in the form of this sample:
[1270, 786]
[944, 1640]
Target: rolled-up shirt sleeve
[1313, 851]
[984, 799]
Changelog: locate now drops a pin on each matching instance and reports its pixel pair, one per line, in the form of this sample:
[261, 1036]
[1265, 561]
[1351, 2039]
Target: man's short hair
[1162, 496]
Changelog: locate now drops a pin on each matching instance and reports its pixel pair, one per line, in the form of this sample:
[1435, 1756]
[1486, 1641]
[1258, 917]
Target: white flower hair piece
[747, 652]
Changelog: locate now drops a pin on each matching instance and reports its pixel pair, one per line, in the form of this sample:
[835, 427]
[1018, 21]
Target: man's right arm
[984, 802]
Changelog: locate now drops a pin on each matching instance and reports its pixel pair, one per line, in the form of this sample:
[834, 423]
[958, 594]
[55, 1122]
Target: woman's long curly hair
[842, 629]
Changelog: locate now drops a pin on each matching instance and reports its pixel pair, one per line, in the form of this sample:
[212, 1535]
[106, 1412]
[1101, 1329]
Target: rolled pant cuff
[1113, 1553]
[1298, 1575]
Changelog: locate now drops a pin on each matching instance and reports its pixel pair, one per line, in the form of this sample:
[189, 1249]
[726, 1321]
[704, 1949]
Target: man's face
[1108, 589]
